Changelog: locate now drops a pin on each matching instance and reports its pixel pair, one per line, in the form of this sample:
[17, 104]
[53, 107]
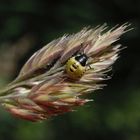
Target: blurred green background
[27, 25]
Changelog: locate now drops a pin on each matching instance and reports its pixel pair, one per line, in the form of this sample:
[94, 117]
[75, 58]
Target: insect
[76, 66]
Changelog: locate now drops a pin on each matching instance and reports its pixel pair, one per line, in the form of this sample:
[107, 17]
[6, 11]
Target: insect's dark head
[82, 59]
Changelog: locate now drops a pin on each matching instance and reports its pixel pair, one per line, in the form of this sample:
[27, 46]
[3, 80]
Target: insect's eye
[79, 54]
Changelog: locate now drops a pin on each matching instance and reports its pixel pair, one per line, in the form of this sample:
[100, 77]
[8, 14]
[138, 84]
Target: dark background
[27, 25]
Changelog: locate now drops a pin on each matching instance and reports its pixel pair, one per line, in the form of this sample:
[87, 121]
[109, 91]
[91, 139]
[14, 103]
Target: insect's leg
[89, 67]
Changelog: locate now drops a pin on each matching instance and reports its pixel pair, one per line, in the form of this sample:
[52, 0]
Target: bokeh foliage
[115, 112]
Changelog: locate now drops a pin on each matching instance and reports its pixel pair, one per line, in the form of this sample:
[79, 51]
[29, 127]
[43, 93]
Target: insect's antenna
[82, 50]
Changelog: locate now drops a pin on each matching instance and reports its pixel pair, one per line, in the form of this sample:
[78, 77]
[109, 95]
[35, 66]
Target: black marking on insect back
[82, 59]
[75, 66]
[71, 70]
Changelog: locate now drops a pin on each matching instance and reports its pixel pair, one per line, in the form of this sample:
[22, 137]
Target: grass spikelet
[43, 88]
